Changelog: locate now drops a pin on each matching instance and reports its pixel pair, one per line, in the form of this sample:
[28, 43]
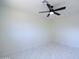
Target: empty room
[39, 29]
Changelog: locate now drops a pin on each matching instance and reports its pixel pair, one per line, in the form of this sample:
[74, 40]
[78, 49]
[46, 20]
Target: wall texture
[66, 31]
[21, 31]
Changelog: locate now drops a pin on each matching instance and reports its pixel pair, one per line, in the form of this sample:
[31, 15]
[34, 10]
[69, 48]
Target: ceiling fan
[51, 10]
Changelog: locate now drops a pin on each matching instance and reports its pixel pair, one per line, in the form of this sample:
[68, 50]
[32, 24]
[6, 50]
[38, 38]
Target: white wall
[66, 31]
[21, 31]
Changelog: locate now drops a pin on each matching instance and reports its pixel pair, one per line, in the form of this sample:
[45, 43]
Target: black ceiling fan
[51, 10]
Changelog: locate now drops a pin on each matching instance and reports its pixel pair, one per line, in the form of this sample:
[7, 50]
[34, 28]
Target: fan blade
[48, 15]
[57, 13]
[44, 12]
[62, 8]
[49, 6]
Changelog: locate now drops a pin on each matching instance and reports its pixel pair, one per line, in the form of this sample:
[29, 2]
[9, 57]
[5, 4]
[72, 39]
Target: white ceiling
[34, 6]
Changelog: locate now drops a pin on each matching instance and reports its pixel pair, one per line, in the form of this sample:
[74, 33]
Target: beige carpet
[51, 51]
